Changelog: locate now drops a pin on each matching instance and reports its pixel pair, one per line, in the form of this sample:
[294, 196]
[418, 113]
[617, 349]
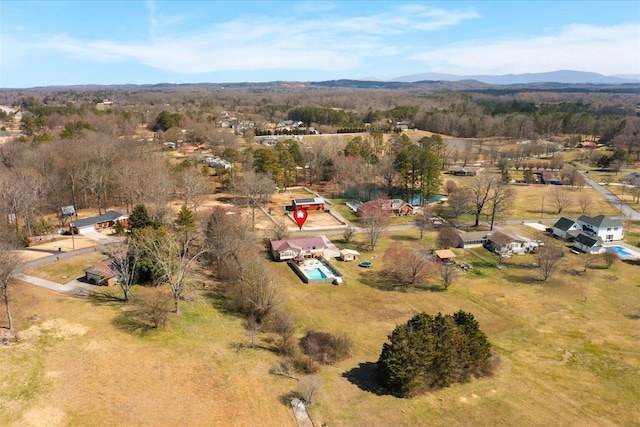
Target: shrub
[153, 306]
[326, 348]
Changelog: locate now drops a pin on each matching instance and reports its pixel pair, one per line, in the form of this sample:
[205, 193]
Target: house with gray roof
[472, 239]
[106, 220]
[606, 228]
[566, 229]
[588, 244]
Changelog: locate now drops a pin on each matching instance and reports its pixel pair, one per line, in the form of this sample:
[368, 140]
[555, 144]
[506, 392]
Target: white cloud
[255, 43]
[605, 50]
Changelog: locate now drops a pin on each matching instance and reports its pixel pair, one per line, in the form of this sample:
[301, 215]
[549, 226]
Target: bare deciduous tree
[375, 222]
[406, 266]
[152, 305]
[560, 197]
[448, 273]
[460, 201]
[449, 186]
[279, 321]
[423, 220]
[255, 187]
[170, 265]
[280, 230]
[588, 261]
[124, 259]
[609, 258]
[447, 238]
[194, 186]
[9, 266]
[309, 388]
[500, 200]
[348, 233]
[548, 256]
[480, 189]
[584, 201]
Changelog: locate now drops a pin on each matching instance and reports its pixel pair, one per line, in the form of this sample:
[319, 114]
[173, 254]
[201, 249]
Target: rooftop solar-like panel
[304, 201]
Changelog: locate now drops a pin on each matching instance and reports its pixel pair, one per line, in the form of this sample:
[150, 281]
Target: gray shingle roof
[600, 221]
[564, 224]
[105, 217]
[586, 240]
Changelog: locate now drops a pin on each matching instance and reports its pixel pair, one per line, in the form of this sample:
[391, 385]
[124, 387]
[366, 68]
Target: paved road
[626, 211]
[78, 288]
[60, 256]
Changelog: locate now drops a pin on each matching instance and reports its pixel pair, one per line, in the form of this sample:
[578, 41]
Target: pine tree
[433, 352]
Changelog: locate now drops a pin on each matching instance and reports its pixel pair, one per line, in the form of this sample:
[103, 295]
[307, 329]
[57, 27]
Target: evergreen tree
[185, 218]
[139, 218]
[432, 352]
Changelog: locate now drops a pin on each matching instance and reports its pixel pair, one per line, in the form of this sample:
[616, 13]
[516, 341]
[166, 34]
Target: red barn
[309, 204]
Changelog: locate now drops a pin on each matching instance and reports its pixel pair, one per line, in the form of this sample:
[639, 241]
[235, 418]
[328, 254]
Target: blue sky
[115, 42]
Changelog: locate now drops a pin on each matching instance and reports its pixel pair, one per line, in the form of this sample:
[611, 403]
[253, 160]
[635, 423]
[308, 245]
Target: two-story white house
[607, 229]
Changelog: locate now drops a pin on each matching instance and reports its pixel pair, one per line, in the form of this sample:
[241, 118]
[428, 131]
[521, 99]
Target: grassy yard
[568, 346]
[67, 269]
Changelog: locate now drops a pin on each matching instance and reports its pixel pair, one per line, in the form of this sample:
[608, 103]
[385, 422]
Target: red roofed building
[282, 250]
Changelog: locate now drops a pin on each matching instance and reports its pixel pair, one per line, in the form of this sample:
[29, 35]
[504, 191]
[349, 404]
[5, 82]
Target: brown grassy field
[569, 353]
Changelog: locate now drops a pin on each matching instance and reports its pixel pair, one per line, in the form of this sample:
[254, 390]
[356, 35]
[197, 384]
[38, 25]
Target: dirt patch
[58, 328]
[49, 416]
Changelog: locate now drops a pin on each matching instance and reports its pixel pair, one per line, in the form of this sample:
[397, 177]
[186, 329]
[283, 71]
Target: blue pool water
[621, 251]
[415, 200]
[315, 273]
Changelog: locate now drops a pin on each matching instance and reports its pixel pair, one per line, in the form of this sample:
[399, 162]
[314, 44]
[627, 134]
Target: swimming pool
[621, 251]
[314, 273]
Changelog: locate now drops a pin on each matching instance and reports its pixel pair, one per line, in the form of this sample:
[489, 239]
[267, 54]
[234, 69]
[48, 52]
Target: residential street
[626, 211]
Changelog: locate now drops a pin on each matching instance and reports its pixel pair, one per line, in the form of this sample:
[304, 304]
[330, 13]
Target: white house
[282, 250]
[566, 229]
[510, 244]
[588, 244]
[607, 229]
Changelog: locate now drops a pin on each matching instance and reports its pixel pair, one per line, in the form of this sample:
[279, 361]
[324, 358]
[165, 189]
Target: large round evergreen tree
[431, 352]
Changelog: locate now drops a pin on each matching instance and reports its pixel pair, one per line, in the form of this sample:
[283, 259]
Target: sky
[145, 42]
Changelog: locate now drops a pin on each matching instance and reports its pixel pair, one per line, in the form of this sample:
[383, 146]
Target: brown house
[103, 273]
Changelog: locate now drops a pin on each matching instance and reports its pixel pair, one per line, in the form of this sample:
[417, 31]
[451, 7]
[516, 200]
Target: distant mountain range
[561, 76]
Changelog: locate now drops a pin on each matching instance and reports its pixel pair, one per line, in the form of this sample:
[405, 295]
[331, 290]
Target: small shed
[349, 255]
[445, 256]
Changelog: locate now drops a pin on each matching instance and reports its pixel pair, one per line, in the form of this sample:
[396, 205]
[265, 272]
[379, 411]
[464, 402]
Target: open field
[569, 353]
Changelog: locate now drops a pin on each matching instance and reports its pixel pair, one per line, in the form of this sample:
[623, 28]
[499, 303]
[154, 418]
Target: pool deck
[323, 265]
[635, 254]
